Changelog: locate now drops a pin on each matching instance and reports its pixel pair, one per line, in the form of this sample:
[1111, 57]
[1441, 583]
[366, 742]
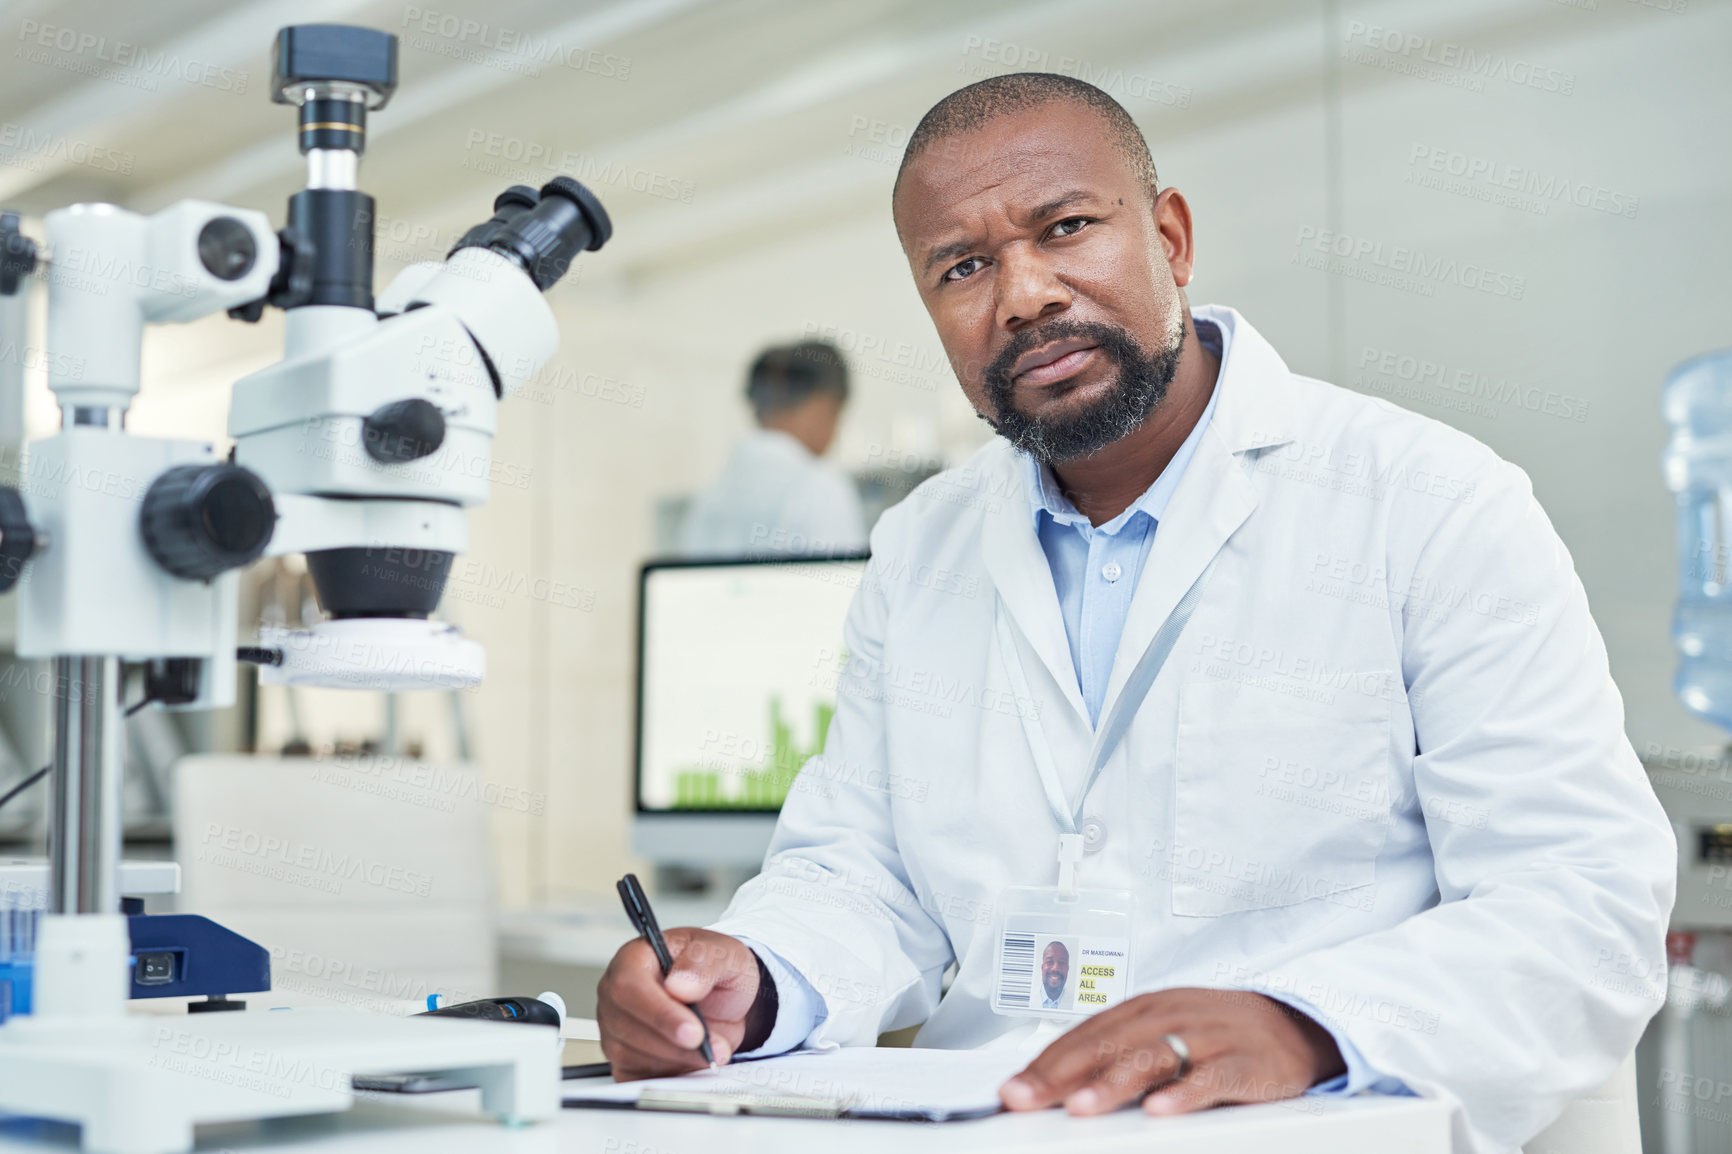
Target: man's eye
[963, 269]
[1071, 225]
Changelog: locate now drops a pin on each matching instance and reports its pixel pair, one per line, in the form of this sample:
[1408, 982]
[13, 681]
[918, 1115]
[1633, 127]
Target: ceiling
[705, 125]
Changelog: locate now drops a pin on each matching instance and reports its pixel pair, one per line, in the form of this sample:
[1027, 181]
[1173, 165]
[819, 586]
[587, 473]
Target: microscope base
[140, 1083]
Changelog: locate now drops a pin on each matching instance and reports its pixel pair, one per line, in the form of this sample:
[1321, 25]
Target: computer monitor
[737, 666]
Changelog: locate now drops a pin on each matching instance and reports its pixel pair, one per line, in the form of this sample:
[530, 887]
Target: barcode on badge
[1015, 971]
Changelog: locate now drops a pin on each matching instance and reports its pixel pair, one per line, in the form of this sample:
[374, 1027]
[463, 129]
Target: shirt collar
[1044, 495]
[775, 441]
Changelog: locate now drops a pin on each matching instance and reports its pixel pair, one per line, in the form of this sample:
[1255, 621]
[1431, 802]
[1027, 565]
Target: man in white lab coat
[1310, 676]
[776, 495]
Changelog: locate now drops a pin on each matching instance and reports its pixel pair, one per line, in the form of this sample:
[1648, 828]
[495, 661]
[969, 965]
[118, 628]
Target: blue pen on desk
[643, 919]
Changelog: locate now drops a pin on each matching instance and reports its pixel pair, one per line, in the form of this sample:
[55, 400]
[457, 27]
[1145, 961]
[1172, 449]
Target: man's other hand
[1244, 1047]
[647, 1026]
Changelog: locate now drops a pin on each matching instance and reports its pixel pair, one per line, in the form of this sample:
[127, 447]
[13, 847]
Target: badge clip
[1070, 855]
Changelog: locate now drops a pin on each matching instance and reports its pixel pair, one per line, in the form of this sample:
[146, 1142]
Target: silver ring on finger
[1180, 1051]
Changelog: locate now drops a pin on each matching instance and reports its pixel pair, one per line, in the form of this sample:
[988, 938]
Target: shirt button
[1094, 834]
[1111, 571]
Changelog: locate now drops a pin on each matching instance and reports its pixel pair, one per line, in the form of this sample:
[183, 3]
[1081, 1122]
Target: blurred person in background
[776, 495]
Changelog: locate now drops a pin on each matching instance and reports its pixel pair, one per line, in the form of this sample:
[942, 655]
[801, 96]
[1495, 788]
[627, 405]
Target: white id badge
[1062, 957]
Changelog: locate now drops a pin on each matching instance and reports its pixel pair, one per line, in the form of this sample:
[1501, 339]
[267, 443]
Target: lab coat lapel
[1212, 501]
[1020, 573]
[1216, 495]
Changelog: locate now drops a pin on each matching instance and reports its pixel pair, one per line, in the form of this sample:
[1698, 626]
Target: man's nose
[1029, 287]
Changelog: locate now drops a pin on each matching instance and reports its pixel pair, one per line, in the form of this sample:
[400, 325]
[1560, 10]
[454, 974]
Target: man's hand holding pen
[647, 1026]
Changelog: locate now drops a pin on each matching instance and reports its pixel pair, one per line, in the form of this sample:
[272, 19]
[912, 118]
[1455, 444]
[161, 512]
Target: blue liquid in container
[1697, 403]
[19, 911]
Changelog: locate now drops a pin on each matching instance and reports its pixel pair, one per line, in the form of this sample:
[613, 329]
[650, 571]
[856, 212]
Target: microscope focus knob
[292, 284]
[18, 539]
[202, 520]
[403, 431]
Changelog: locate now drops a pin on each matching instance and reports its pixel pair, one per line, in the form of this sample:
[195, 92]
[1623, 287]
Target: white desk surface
[447, 1124]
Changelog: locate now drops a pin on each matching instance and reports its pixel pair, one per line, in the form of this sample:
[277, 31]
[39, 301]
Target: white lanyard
[1106, 737]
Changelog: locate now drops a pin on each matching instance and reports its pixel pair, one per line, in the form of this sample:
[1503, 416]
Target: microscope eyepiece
[566, 219]
[507, 207]
[518, 196]
[595, 217]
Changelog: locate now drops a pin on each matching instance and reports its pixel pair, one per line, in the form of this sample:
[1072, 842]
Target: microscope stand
[140, 1083]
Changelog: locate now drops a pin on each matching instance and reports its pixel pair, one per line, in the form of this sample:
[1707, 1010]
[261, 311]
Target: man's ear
[1173, 222]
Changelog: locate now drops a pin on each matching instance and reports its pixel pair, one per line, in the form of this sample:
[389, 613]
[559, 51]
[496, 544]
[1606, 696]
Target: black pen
[643, 919]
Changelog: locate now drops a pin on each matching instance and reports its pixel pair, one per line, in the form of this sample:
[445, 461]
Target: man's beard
[1141, 386]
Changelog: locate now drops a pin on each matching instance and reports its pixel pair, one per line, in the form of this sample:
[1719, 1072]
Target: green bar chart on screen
[761, 786]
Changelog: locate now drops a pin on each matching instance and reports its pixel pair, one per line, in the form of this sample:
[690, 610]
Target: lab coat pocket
[1280, 798]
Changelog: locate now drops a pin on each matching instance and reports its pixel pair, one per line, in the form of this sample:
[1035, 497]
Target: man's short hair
[786, 376]
[986, 100]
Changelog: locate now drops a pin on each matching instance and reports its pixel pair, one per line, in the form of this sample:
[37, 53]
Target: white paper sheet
[863, 1081]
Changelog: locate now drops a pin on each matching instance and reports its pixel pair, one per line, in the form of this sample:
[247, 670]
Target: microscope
[361, 448]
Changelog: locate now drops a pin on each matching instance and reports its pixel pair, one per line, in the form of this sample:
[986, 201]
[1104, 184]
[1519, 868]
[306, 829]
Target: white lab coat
[774, 497]
[1384, 768]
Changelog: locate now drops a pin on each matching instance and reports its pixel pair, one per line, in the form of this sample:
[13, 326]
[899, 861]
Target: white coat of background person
[777, 496]
[1378, 805]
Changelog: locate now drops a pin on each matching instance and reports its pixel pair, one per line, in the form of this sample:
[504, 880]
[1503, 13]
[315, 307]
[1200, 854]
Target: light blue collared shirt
[1095, 570]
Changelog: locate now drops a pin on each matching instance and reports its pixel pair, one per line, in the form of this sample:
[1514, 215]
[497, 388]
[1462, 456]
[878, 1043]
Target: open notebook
[920, 1085]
